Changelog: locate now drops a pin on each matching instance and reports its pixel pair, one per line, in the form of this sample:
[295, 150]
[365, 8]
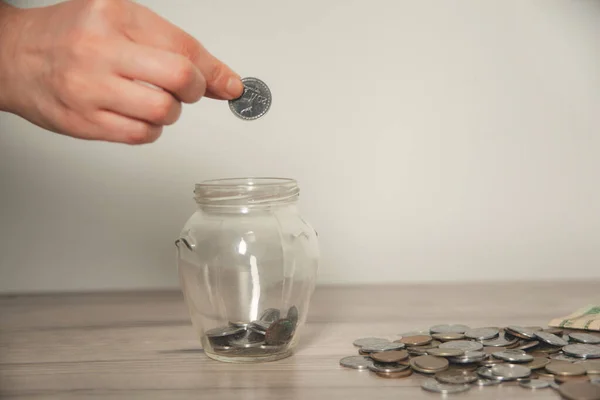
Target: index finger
[150, 29]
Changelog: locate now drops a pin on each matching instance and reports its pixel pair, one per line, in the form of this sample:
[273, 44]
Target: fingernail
[235, 87]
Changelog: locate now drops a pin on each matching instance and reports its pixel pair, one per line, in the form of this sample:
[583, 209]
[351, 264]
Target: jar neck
[246, 195]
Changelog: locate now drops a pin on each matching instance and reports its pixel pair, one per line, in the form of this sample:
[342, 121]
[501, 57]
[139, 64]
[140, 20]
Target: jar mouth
[250, 191]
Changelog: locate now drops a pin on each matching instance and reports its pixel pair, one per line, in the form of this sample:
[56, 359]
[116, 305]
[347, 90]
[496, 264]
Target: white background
[432, 140]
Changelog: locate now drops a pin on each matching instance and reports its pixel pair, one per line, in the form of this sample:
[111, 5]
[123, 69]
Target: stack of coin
[454, 358]
[267, 335]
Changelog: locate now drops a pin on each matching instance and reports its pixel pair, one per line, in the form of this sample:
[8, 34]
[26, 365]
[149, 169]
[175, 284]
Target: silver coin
[377, 347]
[413, 333]
[356, 362]
[482, 333]
[486, 373]
[564, 357]
[516, 356]
[550, 339]
[526, 332]
[511, 371]
[535, 384]
[469, 357]
[501, 341]
[259, 326]
[456, 377]
[387, 367]
[595, 381]
[465, 345]
[554, 385]
[224, 331]
[486, 382]
[369, 341]
[254, 102]
[445, 328]
[433, 385]
[270, 315]
[586, 338]
[250, 339]
[582, 350]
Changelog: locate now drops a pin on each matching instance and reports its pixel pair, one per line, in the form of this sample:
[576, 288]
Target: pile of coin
[454, 358]
[269, 334]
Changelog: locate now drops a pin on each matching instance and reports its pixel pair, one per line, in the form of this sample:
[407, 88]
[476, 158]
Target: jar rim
[250, 191]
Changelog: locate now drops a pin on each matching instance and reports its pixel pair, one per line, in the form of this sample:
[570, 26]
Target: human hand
[75, 68]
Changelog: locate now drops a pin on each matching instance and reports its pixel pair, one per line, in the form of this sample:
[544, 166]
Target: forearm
[8, 36]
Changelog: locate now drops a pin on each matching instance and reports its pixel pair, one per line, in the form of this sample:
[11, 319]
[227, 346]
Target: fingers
[114, 127]
[138, 101]
[151, 30]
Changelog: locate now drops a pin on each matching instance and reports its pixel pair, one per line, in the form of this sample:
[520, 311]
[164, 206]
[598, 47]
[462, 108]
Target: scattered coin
[395, 375]
[558, 368]
[527, 345]
[377, 347]
[469, 357]
[418, 340]
[591, 366]
[535, 384]
[554, 331]
[431, 363]
[511, 371]
[566, 378]
[586, 338]
[515, 356]
[456, 377]
[444, 337]
[537, 363]
[482, 333]
[356, 362]
[445, 352]
[254, 102]
[390, 356]
[457, 328]
[486, 382]
[521, 332]
[387, 367]
[462, 344]
[501, 341]
[433, 385]
[564, 357]
[550, 338]
[486, 373]
[582, 350]
[369, 341]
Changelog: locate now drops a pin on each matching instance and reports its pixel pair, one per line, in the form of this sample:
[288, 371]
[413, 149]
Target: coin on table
[433, 385]
[491, 361]
[254, 102]
[527, 345]
[554, 331]
[456, 377]
[469, 357]
[500, 341]
[535, 384]
[486, 373]
[431, 363]
[515, 356]
[395, 375]
[521, 331]
[445, 352]
[551, 339]
[465, 345]
[390, 356]
[356, 362]
[582, 350]
[445, 328]
[377, 347]
[418, 340]
[482, 333]
[387, 367]
[566, 378]
[579, 391]
[279, 332]
[446, 336]
[492, 350]
[565, 368]
[586, 338]
[511, 371]
[592, 367]
[486, 382]
[537, 363]
[564, 357]
[369, 341]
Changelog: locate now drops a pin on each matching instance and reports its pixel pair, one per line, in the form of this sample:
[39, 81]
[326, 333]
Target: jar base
[250, 360]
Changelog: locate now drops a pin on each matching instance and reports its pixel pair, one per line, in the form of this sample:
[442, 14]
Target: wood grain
[141, 345]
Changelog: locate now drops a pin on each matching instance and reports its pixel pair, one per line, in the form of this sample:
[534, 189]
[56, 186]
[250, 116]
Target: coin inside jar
[418, 340]
[390, 356]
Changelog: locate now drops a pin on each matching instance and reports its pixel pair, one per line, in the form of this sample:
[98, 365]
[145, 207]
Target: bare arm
[75, 68]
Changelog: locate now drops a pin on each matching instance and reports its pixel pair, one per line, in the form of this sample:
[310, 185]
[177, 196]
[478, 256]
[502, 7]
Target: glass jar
[247, 264]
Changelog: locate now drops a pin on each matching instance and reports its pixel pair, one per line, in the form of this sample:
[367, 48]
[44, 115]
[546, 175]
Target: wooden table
[141, 345]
